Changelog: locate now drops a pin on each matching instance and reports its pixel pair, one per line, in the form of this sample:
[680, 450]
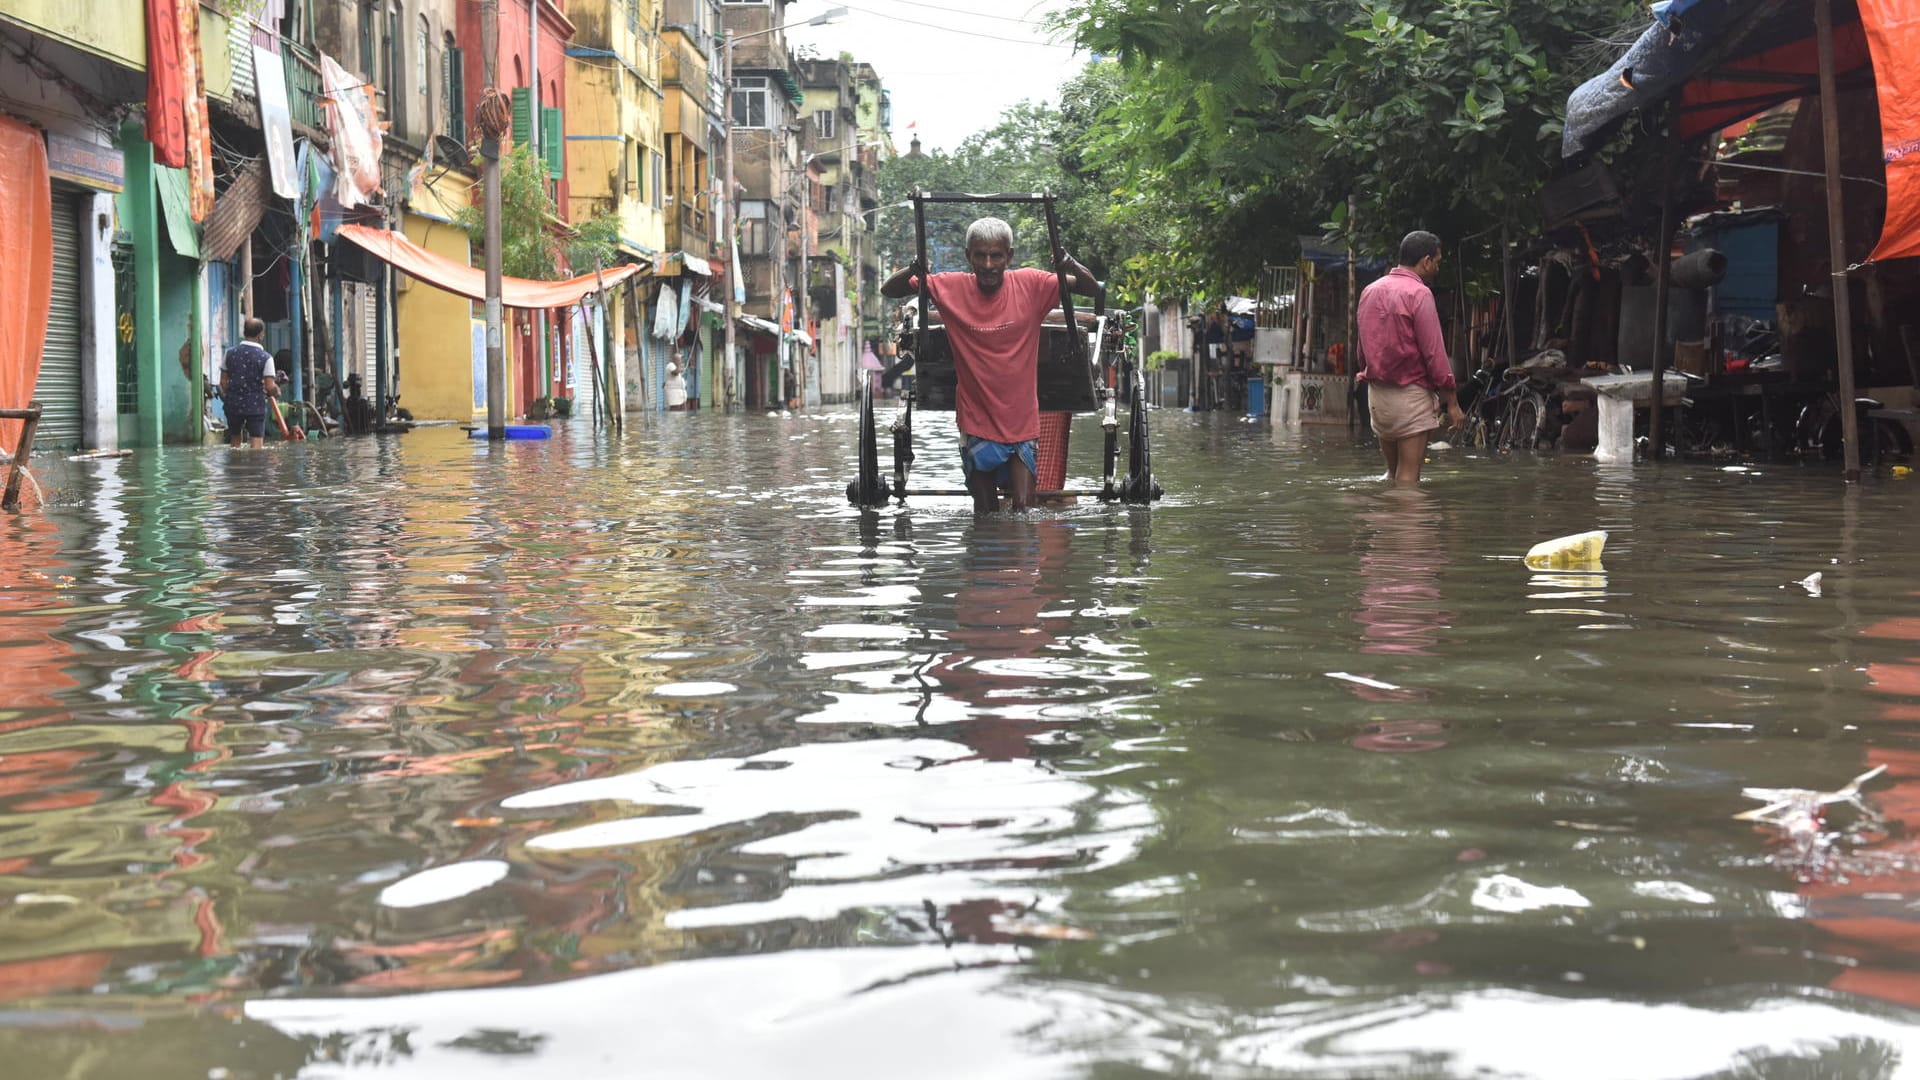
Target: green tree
[1034, 146]
[529, 245]
[1245, 123]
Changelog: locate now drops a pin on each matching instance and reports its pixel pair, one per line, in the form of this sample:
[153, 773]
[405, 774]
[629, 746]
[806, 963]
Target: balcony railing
[687, 229]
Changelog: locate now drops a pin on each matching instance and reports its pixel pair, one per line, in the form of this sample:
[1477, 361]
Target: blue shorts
[979, 455]
[254, 426]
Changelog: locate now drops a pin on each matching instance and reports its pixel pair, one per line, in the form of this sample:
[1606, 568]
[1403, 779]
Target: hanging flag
[166, 113]
[739, 283]
[1893, 36]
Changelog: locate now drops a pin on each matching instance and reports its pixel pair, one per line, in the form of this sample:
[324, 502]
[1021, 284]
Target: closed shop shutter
[58, 388]
[369, 338]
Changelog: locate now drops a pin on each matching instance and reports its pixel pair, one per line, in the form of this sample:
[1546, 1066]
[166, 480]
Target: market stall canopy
[471, 282]
[1326, 256]
[1726, 60]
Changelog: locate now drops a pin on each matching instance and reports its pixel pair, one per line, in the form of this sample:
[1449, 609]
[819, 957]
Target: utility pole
[727, 231]
[490, 188]
[806, 275]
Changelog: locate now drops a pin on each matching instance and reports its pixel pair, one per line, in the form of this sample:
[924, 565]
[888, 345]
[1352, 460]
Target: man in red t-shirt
[993, 317]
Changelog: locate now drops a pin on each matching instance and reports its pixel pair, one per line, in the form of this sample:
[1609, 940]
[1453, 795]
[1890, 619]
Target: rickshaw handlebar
[970, 197]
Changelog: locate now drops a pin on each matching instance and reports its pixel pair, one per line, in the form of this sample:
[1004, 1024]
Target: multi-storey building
[846, 129]
[694, 129]
[617, 164]
[128, 287]
[766, 114]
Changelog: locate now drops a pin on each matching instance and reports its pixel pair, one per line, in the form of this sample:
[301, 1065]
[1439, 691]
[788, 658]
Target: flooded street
[646, 755]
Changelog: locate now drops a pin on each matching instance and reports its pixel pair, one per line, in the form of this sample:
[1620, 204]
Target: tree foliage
[1240, 125]
[533, 239]
[1035, 146]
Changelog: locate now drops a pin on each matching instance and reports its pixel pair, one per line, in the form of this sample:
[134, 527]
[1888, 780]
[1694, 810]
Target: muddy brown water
[645, 755]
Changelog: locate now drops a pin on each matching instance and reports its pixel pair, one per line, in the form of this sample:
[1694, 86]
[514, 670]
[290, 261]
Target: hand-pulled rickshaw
[1081, 370]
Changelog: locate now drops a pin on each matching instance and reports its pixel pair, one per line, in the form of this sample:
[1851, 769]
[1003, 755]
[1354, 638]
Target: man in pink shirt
[993, 317]
[1405, 363]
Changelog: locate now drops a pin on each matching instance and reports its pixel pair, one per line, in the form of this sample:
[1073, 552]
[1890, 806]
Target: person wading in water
[993, 317]
[1406, 369]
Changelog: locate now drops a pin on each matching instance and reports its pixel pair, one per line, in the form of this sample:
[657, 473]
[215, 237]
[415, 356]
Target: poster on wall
[479, 364]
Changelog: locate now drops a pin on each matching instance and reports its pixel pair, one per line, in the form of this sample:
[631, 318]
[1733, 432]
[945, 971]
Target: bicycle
[1524, 416]
[1818, 433]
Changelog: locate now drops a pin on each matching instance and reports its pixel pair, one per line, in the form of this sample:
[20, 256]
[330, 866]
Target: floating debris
[1814, 847]
[1581, 551]
[1362, 680]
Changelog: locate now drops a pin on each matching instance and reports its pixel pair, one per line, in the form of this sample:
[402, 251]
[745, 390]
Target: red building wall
[555, 33]
[513, 71]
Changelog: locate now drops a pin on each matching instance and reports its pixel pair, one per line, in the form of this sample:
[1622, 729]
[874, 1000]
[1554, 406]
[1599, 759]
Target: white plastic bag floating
[1581, 551]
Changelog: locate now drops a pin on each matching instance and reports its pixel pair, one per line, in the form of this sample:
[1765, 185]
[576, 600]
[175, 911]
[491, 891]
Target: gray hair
[989, 229]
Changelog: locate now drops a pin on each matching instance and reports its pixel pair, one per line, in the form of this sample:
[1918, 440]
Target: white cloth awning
[696, 264]
[754, 322]
[799, 337]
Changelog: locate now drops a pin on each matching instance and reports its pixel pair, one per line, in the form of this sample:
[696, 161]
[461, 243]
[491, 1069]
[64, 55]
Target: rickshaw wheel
[868, 489]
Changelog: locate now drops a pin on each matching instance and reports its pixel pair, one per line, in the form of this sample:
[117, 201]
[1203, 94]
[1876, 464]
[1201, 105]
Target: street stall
[1776, 365]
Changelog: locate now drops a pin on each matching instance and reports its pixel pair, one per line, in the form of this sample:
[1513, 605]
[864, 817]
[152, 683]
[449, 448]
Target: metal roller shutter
[58, 388]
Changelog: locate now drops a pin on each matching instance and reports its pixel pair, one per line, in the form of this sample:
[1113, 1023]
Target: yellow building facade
[442, 344]
[616, 160]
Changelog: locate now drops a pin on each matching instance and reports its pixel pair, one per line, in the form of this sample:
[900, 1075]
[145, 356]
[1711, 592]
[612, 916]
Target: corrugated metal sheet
[237, 212]
[240, 48]
[58, 387]
[174, 200]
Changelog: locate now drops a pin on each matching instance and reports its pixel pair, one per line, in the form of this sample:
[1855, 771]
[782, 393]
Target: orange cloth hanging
[26, 251]
[1893, 36]
[471, 282]
[166, 115]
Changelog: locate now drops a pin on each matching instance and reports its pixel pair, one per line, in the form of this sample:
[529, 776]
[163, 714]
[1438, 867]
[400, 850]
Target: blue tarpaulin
[1658, 64]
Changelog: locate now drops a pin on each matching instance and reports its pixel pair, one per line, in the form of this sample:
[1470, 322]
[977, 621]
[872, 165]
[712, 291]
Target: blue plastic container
[1256, 396]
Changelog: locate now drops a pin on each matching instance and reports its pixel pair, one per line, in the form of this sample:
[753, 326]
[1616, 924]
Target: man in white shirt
[676, 388]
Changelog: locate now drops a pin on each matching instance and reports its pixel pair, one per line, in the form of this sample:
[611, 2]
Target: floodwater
[645, 755]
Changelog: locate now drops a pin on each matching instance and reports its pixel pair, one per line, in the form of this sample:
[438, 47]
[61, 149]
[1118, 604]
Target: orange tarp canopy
[471, 282]
[1893, 33]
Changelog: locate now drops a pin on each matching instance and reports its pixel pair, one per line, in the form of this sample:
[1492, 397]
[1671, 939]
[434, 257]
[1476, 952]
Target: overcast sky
[943, 79]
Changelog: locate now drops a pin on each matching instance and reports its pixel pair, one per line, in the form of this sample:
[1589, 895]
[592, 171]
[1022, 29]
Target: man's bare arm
[1080, 280]
[900, 285]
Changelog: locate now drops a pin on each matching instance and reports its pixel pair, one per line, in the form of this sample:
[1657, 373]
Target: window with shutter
[522, 116]
[454, 103]
[553, 142]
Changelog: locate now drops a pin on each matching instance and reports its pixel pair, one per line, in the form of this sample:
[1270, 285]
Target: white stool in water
[1619, 394]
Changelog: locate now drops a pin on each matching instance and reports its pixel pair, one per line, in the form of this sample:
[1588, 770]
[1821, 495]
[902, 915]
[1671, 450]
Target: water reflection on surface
[645, 755]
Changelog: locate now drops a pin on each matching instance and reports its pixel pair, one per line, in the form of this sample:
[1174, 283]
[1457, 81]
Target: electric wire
[954, 30]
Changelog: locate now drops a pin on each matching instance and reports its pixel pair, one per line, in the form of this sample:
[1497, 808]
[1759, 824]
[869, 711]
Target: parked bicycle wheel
[1522, 428]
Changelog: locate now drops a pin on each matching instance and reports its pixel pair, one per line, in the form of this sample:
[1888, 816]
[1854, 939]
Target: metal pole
[1662, 259]
[1353, 283]
[496, 356]
[1837, 240]
[31, 415]
[727, 230]
[1510, 322]
[806, 276]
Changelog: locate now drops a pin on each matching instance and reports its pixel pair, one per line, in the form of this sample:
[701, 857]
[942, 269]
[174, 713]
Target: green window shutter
[553, 142]
[522, 116]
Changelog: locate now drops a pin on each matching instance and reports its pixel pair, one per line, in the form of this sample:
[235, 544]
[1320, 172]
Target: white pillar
[99, 331]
